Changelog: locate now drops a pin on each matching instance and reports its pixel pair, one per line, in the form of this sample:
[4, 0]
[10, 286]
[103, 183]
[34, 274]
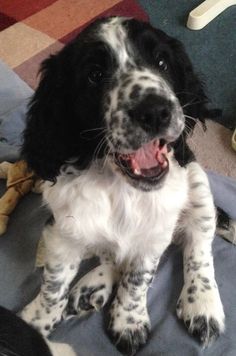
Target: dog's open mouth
[149, 162]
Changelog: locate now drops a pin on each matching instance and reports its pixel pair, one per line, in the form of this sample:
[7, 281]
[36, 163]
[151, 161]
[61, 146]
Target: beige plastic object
[234, 140]
[206, 12]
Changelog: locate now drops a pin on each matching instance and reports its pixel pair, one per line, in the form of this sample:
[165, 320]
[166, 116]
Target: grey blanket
[20, 281]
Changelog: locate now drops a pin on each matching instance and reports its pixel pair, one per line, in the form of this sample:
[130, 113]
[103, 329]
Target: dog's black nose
[153, 113]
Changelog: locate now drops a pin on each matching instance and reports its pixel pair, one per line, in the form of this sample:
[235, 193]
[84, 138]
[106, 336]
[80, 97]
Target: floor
[213, 148]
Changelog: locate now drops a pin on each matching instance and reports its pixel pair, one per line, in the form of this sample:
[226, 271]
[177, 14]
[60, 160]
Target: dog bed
[20, 281]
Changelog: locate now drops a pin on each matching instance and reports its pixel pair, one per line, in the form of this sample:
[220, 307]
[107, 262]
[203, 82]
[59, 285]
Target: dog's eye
[161, 63]
[96, 74]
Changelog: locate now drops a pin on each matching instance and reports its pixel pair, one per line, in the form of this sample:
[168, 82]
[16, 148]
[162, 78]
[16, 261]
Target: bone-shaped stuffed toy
[20, 181]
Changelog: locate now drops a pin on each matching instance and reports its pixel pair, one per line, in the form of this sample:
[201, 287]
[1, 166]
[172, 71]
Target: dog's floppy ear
[43, 136]
[190, 89]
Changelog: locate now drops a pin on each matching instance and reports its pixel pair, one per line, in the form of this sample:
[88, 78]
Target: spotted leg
[92, 291]
[129, 320]
[45, 311]
[199, 304]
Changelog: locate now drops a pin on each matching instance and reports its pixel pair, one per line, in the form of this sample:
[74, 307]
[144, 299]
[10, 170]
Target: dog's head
[121, 91]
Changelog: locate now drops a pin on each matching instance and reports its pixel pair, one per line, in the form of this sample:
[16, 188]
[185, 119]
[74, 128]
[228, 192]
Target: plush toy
[20, 181]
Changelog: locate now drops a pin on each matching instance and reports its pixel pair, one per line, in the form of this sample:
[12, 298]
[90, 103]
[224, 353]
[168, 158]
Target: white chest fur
[101, 209]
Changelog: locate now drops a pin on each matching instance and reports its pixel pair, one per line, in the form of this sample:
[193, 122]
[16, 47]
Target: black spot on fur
[187, 323]
[130, 306]
[84, 303]
[191, 300]
[144, 77]
[192, 289]
[197, 205]
[126, 82]
[206, 218]
[50, 221]
[195, 266]
[179, 304]
[86, 292]
[136, 278]
[130, 320]
[205, 330]
[196, 185]
[99, 301]
[205, 279]
[54, 286]
[135, 92]
[84, 289]
[206, 228]
[124, 284]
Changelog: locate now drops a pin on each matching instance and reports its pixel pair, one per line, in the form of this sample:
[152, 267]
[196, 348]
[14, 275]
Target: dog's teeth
[137, 172]
[164, 164]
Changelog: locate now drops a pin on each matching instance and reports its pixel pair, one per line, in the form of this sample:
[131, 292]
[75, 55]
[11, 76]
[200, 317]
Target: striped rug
[33, 29]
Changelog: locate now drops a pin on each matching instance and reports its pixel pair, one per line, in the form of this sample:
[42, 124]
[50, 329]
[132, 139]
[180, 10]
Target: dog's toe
[202, 312]
[206, 330]
[129, 341]
[91, 292]
[129, 326]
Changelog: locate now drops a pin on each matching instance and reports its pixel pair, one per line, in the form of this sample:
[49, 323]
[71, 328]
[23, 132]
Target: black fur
[67, 104]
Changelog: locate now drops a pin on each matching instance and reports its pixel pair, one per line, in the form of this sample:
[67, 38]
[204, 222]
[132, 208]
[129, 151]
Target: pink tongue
[148, 156]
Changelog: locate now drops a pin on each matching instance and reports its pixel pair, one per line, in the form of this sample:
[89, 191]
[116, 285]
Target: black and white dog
[107, 131]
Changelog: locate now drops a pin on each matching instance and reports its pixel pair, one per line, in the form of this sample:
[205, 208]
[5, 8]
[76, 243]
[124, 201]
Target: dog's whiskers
[191, 117]
[195, 120]
[100, 145]
[193, 102]
[101, 129]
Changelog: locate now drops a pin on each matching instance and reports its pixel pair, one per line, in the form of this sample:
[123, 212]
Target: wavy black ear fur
[44, 145]
[190, 91]
[189, 88]
[60, 110]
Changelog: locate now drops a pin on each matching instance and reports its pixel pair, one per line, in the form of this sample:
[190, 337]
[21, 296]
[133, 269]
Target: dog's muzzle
[149, 163]
[152, 113]
[143, 118]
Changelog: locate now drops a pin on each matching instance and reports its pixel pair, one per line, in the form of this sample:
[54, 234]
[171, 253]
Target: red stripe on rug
[21, 9]
[64, 16]
[128, 8]
[5, 21]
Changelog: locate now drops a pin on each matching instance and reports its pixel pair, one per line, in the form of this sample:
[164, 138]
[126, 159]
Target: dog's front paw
[129, 326]
[201, 309]
[43, 318]
[92, 291]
